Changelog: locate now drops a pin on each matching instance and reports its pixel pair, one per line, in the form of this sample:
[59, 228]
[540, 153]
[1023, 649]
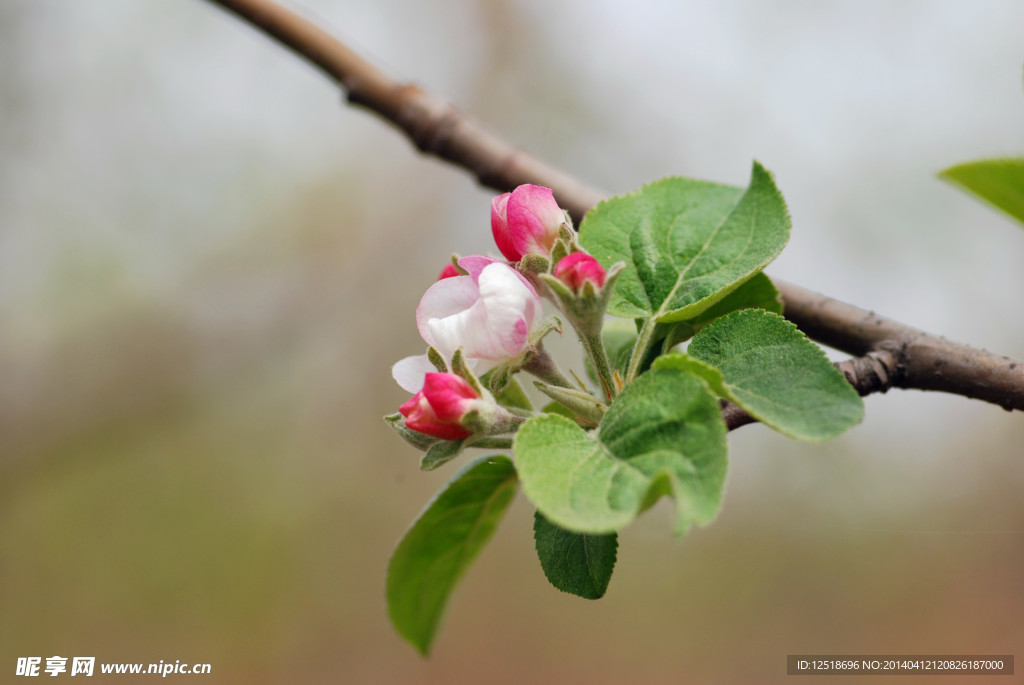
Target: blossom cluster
[482, 321]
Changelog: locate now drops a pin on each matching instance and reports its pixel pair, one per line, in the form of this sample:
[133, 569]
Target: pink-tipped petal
[489, 314]
[534, 219]
[506, 304]
[473, 264]
[499, 228]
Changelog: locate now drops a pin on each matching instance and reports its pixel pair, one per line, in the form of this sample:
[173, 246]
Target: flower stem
[643, 341]
[492, 443]
[594, 346]
[506, 422]
[544, 367]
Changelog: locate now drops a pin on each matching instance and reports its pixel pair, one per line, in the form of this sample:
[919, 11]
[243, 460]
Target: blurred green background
[208, 265]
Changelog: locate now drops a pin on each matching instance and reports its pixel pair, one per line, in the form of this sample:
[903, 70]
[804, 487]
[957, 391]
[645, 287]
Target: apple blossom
[438, 409]
[489, 313]
[577, 268]
[526, 221]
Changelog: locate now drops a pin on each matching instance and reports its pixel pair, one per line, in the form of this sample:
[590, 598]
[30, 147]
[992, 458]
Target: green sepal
[559, 290]
[437, 359]
[461, 368]
[582, 404]
[420, 441]
[441, 453]
[559, 251]
[499, 377]
[552, 324]
[455, 262]
[534, 263]
[585, 309]
[567, 231]
[480, 419]
[559, 409]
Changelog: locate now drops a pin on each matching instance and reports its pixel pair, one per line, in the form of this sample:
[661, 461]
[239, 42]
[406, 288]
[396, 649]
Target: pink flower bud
[577, 268]
[438, 408]
[525, 221]
[448, 272]
[489, 313]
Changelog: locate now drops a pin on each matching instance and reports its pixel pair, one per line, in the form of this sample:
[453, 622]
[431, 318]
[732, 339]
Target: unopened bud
[577, 268]
[526, 221]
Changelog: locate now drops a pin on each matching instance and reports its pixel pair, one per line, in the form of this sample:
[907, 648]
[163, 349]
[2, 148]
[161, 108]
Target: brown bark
[888, 354]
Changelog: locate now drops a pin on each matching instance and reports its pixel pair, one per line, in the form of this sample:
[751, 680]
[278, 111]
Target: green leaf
[999, 182]
[757, 293]
[776, 374]
[707, 373]
[687, 244]
[435, 552]
[662, 435]
[577, 563]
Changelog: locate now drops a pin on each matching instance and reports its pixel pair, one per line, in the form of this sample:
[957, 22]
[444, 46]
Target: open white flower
[489, 313]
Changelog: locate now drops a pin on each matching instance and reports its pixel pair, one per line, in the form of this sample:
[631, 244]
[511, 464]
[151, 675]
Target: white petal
[467, 329]
[510, 308]
[410, 372]
[443, 299]
[495, 317]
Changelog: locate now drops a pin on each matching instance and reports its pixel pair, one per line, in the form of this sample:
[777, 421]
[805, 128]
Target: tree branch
[889, 354]
[894, 355]
[434, 125]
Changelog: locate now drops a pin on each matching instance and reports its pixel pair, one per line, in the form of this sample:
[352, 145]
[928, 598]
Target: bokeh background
[208, 264]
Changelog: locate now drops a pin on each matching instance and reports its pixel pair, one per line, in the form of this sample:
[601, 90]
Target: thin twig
[889, 354]
[434, 125]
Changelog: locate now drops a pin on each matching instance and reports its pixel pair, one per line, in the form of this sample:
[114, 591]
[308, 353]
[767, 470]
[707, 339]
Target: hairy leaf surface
[578, 563]
[775, 373]
[662, 435]
[686, 243]
[757, 293]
